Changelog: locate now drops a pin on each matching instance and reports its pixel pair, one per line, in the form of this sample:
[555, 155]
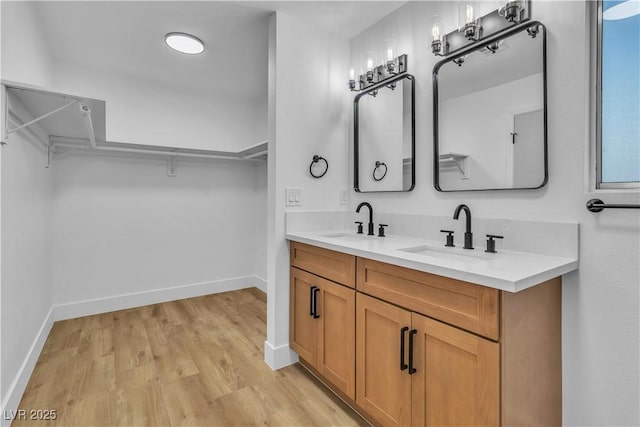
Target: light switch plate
[293, 197]
[343, 197]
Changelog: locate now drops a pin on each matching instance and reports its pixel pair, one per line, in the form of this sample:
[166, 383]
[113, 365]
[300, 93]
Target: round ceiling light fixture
[185, 43]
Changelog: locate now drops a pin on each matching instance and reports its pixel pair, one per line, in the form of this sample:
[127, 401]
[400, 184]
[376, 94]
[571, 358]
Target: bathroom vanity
[414, 339]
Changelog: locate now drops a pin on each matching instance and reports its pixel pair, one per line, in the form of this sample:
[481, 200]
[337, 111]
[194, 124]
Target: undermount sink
[450, 254]
[353, 237]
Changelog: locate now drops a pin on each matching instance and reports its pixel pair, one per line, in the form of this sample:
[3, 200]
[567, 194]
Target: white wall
[24, 56]
[307, 116]
[486, 136]
[601, 301]
[381, 125]
[146, 112]
[122, 226]
[26, 254]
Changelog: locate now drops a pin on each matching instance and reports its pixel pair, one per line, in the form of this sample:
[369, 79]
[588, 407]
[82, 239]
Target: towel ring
[378, 165]
[315, 160]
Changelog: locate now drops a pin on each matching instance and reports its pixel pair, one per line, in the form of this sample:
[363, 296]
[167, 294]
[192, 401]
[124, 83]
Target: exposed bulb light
[352, 80]
[623, 10]
[469, 14]
[438, 44]
[184, 43]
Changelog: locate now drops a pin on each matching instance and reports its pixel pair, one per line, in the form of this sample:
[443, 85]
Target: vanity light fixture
[373, 74]
[184, 43]
[473, 28]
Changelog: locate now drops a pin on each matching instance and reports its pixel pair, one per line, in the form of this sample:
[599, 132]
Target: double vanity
[409, 331]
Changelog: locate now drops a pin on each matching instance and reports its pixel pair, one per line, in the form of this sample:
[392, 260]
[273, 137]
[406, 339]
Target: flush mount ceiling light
[185, 43]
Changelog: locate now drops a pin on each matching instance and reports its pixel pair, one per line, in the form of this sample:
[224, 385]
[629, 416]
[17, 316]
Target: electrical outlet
[293, 197]
[343, 197]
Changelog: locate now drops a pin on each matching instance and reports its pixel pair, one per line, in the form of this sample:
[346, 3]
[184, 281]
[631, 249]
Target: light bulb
[352, 74]
[389, 54]
[369, 64]
[469, 13]
[435, 31]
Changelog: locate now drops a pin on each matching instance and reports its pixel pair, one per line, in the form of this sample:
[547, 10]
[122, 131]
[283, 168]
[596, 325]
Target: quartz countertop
[505, 270]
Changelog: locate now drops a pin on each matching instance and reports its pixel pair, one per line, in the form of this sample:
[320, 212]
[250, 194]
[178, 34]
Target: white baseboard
[139, 299]
[17, 387]
[279, 357]
[260, 283]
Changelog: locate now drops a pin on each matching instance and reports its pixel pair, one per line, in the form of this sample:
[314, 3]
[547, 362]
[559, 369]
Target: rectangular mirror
[384, 136]
[490, 114]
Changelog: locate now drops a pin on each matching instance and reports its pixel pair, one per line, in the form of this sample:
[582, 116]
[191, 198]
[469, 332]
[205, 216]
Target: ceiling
[127, 37]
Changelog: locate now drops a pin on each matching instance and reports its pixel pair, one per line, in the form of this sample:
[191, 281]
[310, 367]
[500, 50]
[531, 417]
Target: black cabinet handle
[311, 289]
[412, 370]
[403, 365]
[315, 302]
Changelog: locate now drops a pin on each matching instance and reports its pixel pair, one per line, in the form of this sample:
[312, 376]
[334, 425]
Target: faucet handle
[491, 244]
[360, 231]
[381, 229]
[449, 237]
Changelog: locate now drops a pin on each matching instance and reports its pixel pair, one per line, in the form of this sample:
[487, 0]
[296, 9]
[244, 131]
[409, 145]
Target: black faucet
[370, 233]
[468, 235]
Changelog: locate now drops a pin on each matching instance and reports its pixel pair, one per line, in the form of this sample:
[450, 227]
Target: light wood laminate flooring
[192, 362]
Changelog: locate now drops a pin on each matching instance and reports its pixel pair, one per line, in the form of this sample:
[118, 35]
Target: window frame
[599, 185]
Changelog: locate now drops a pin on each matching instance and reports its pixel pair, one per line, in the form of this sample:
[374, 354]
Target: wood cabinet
[413, 370]
[430, 350]
[322, 328]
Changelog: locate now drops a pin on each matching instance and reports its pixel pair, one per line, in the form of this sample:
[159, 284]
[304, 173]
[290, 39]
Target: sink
[448, 254]
[352, 237]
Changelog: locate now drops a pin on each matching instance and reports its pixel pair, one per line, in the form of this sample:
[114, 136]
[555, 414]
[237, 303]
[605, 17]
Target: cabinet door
[457, 377]
[303, 335]
[337, 341]
[383, 389]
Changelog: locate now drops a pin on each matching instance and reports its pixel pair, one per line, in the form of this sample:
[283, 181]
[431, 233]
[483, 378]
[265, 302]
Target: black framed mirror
[490, 114]
[384, 136]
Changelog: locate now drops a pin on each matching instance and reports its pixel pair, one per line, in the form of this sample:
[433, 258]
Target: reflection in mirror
[384, 136]
[490, 114]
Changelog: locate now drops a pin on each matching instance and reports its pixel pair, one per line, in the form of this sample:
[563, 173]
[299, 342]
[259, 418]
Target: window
[618, 94]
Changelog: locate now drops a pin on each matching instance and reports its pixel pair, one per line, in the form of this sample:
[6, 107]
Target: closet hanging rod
[152, 151]
[597, 205]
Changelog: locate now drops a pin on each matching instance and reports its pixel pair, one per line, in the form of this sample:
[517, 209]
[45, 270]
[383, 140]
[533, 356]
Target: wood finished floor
[192, 362]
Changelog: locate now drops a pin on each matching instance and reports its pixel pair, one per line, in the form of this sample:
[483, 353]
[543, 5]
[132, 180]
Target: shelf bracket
[86, 117]
[457, 163]
[171, 166]
[29, 123]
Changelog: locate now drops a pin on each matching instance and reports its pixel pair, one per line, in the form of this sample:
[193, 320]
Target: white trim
[260, 283]
[279, 357]
[17, 387]
[139, 299]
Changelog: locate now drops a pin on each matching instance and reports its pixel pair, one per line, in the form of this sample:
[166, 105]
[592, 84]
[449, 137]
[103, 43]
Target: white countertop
[506, 270]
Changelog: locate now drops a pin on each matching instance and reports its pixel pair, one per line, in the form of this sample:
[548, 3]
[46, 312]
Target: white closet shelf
[65, 145]
[454, 160]
[74, 124]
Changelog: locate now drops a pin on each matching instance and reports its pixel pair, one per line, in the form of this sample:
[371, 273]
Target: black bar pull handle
[403, 365]
[412, 333]
[315, 302]
[311, 289]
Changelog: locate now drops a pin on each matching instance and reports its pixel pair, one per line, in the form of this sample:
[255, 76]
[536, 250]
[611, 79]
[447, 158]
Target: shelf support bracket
[29, 123]
[457, 163]
[86, 116]
[171, 166]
